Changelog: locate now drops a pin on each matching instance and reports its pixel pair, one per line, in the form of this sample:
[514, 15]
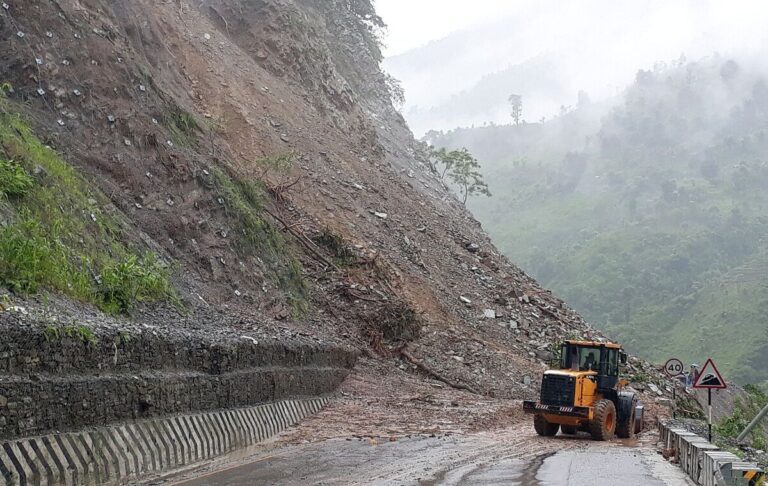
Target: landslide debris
[254, 147]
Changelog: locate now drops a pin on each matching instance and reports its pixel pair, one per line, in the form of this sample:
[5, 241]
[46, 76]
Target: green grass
[280, 163]
[60, 238]
[131, 280]
[182, 127]
[14, 180]
[243, 202]
[51, 333]
[82, 333]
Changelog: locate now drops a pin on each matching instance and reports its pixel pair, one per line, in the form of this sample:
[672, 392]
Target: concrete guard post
[704, 462]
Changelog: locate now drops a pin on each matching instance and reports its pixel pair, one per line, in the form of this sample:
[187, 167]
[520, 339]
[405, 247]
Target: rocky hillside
[241, 164]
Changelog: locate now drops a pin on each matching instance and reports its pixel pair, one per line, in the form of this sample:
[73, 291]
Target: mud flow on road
[514, 456]
[386, 429]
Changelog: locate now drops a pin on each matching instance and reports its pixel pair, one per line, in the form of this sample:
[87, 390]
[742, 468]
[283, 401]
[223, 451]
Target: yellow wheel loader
[585, 394]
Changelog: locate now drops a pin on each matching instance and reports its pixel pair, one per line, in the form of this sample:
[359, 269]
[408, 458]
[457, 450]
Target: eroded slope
[254, 145]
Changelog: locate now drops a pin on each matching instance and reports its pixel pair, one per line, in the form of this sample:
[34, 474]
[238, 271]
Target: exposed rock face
[373, 250]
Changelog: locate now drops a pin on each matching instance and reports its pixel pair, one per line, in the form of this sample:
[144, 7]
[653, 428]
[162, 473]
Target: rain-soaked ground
[509, 457]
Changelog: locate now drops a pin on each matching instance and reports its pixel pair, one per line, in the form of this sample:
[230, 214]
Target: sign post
[674, 368]
[710, 378]
[709, 409]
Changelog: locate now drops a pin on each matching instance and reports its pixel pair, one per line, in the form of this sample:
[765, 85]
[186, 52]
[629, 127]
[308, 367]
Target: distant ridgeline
[651, 216]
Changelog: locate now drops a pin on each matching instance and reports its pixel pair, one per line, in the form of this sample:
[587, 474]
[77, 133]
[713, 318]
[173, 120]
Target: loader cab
[601, 358]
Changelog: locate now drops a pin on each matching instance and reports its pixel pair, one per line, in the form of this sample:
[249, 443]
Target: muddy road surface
[513, 456]
[388, 429]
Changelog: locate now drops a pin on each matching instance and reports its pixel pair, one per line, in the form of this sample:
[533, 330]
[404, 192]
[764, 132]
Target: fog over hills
[635, 183]
[547, 51]
[648, 215]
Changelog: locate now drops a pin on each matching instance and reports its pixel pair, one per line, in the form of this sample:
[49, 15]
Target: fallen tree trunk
[302, 240]
[432, 373]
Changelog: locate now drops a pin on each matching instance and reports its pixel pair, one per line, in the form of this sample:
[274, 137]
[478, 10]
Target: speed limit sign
[674, 367]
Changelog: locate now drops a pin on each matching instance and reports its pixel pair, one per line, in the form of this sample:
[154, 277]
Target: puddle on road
[528, 478]
[628, 442]
[506, 472]
[591, 465]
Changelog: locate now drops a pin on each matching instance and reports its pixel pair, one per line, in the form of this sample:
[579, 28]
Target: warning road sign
[709, 377]
[674, 367]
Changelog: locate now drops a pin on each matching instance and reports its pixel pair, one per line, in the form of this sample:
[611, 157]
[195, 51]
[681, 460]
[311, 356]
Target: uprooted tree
[462, 169]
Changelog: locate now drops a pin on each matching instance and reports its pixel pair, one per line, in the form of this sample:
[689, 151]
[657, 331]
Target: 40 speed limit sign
[674, 367]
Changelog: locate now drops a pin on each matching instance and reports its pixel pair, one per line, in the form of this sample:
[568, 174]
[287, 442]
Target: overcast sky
[413, 23]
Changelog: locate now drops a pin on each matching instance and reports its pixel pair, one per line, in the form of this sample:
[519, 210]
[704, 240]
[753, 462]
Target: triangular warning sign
[709, 377]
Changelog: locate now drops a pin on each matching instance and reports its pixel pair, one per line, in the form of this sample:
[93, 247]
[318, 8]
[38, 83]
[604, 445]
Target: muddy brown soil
[382, 442]
[393, 264]
[249, 80]
[385, 426]
[379, 403]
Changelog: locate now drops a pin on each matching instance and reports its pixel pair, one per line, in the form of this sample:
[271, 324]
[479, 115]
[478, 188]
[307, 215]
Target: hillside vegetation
[60, 232]
[652, 220]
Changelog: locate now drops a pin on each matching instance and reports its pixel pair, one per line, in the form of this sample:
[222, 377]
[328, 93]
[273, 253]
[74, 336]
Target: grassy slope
[59, 233]
[62, 234]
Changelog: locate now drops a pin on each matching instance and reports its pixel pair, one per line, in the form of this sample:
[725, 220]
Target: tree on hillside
[467, 176]
[395, 91]
[463, 170]
[441, 160]
[517, 107]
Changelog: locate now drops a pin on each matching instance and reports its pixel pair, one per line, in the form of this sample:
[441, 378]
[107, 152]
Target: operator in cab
[590, 363]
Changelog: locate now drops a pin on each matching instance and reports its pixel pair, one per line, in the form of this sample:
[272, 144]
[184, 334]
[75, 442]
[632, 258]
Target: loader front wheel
[603, 424]
[543, 427]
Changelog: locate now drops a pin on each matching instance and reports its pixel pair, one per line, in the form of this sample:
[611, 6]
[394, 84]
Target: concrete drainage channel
[704, 462]
[116, 454]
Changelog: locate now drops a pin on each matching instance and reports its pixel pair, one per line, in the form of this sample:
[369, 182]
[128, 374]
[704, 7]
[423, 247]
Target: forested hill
[650, 217]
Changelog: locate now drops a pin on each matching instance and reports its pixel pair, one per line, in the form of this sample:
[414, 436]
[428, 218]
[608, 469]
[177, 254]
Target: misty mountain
[547, 51]
[651, 220]
[540, 80]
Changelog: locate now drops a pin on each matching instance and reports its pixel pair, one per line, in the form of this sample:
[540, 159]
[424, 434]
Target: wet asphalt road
[482, 459]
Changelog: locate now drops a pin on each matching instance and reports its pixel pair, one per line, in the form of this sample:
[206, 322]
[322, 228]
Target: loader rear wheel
[543, 427]
[569, 429]
[603, 424]
[626, 429]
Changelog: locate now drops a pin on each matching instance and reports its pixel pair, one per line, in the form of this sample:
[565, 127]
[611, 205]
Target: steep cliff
[251, 152]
